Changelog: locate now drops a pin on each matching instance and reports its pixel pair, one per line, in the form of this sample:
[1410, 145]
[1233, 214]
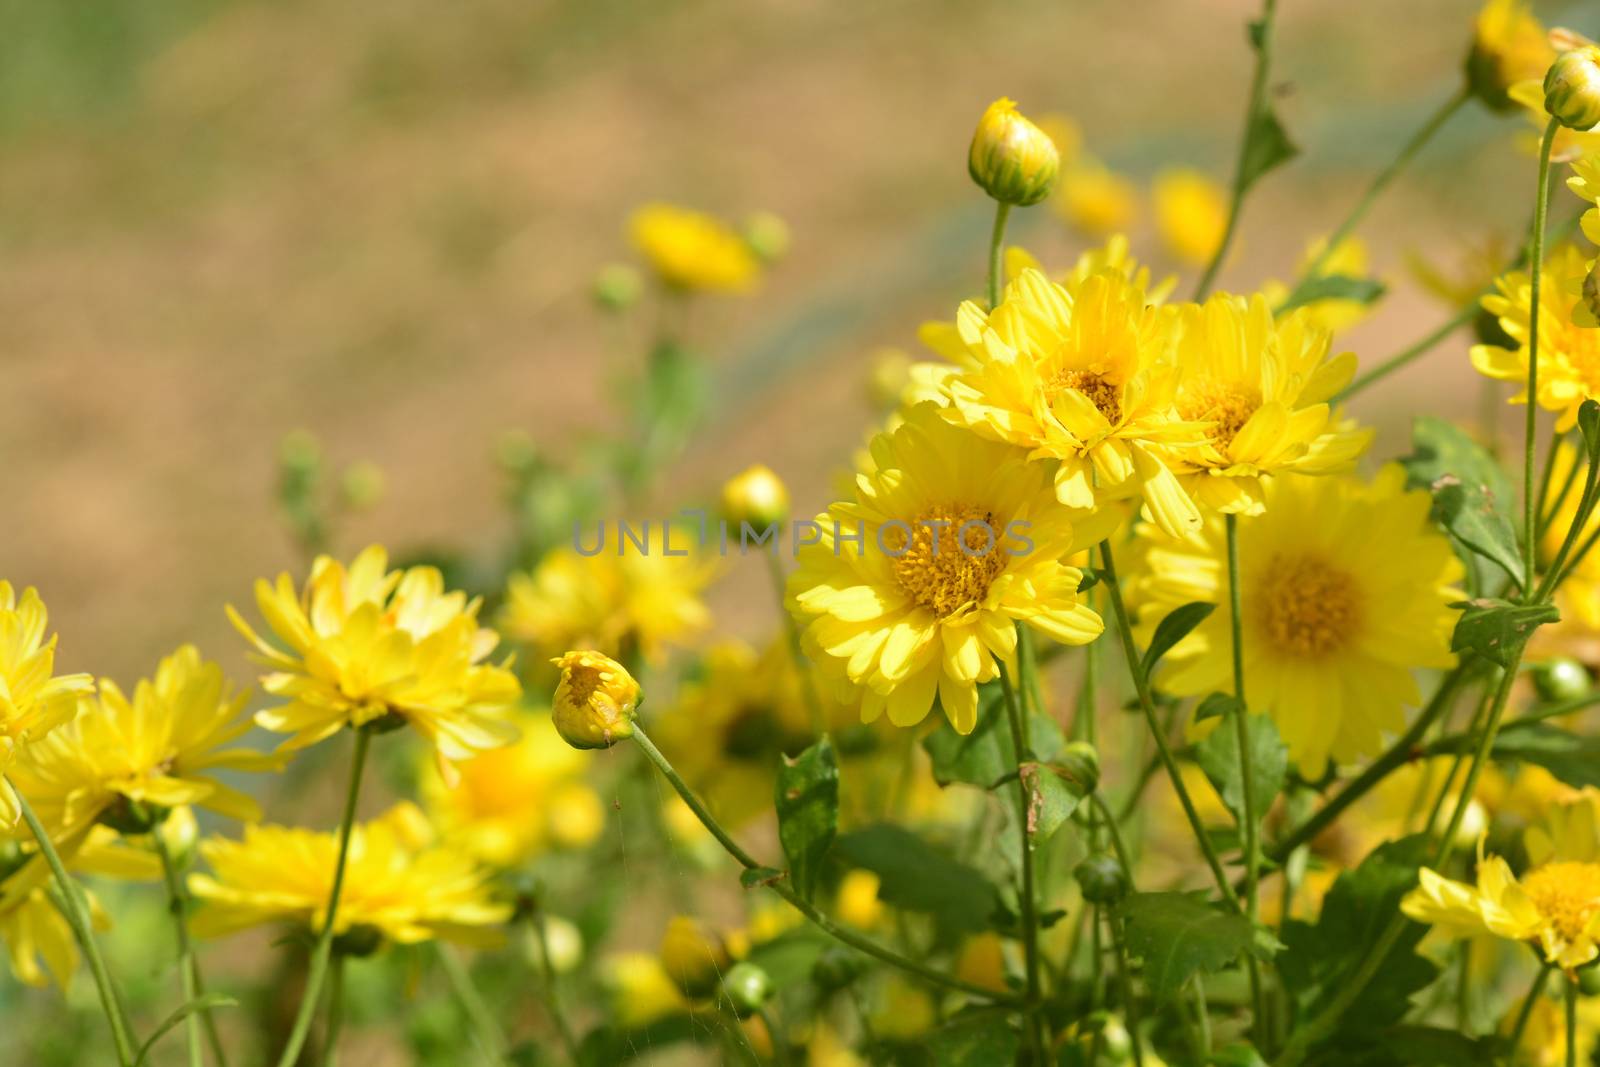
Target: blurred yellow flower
[1579, 594]
[365, 643]
[1544, 1038]
[33, 929]
[1509, 45]
[982, 962]
[1082, 376]
[1191, 214]
[904, 1011]
[856, 901]
[594, 703]
[398, 883]
[1095, 199]
[161, 749]
[640, 990]
[1569, 354]
[904, 615]
[626, 596]
[511, 804]
[1261, 387]
[694, 956]
[33, 700]
[1346, 589]
[690, 250]
[757, 496]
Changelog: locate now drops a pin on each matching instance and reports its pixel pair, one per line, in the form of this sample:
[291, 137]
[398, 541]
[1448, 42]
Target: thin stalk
[779, 886]
[324, 948]
[1029, 901]
[1572, 1022]
[997, 240]
[485, 1028]
[1241, 734]
[188, 964]
[1547, 508]
[1526, 1012]
[1241, 181]
[76, 912]
[552, 995]
[1541, 211]
[335, 1019]
[1130, 1007]
[1141, 685]
[802, 666]
[1408, 152]
[1409, 354]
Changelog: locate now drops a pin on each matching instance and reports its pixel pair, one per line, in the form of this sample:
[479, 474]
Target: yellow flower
[511, 804]
[1261, 386]
[1509, 46]
[397, 883]
[1095, 199]
[857, 900]
[1346, 589]
[926, 601]
[33, 701]
[159, 749]
[1579, 594]
[1010, 158]
[632, 590]
[1083, 377]
[32, 928]
[756, 496]
[982, 962]
[595, 700]
[1191, 214]
[694, 956]
[690, 251]
[1349, 260]
[640, 990]
[1569, 354]
[362, 644]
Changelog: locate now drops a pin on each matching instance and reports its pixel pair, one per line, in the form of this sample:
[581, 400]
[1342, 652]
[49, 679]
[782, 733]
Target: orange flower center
[949, 559]
[1226, 405]
[1305, 606]
[1105, 395]
[1566, 894]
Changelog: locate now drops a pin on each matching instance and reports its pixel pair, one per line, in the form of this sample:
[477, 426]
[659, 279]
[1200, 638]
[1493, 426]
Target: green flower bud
[1011, 159]
[617, 287]
[1589, 980]
[1561, 679]
[748, 988]
[756, 496]
[767, 235]
[1080, 762]
[1572, 88]
[1102, 879]
[836, 968]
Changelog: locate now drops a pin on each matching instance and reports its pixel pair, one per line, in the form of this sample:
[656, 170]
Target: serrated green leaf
[1218, 756]
[1178, 935]
[807, 798]
[979, 1041]
[1053, 795]
[1495, 629]
[1468, 490]
[1573, 758]
[1172, 629]
[916, 876]
[1334, 287]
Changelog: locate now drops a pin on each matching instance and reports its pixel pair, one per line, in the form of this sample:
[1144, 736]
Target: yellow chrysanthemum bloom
[1585, 181]
[513, 803]
[1094, 199]
[1346, 589]
[33, 699]
[693, 251]
[631, 590]
[1349, 260]
[959, 539]
[397, 883]
[1191, 214]
[1261, 387]
[695, 956]
[1569, 354]
[857, 902]
[161, 749]
[1084, 377]
[1509, 45]
[363, 643]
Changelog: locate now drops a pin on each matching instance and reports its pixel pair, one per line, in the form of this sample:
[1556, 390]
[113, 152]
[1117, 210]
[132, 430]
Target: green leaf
[1468, 487]
[1496, 629]
[808, 811]
[609, 1046]
[1053, 795]
[982, 1040]
[1268, 147]
[916, 876]
[1218, 756]
[1172, 629]
[1589, 426]
[1216, 706]
[1180, 934]
[1415, 1046]
[986, 756]
[204, 1002]
[1334, 287]
[1573, 758]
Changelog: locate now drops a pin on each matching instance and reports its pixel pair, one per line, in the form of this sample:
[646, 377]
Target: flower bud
[767, 235]
[595, 700]
[617, 287]
[1561, 679]
[1080, 762]
[1509, 46]
[836, 968]
[1589, 980]
[1102, 879]
[693, 955]
[756, 496]
[748, 988]
[1012, 159]
[1572, 88]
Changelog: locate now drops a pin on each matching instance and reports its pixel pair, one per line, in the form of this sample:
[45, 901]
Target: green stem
[1409, 354]
[1141, 685]
[76, 912]
[335, 1019]
[1130, 1007]
[997, 240]
[1029, 901]
[799, 903]
[324, 948]
[802, 666]
[1526, 1012]
[552, 995]
[188, 964]
[1241, 180]
[485, 1029]
[1241, 734]
[1408, 152]
[1541, 210]
[1572, 1022]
